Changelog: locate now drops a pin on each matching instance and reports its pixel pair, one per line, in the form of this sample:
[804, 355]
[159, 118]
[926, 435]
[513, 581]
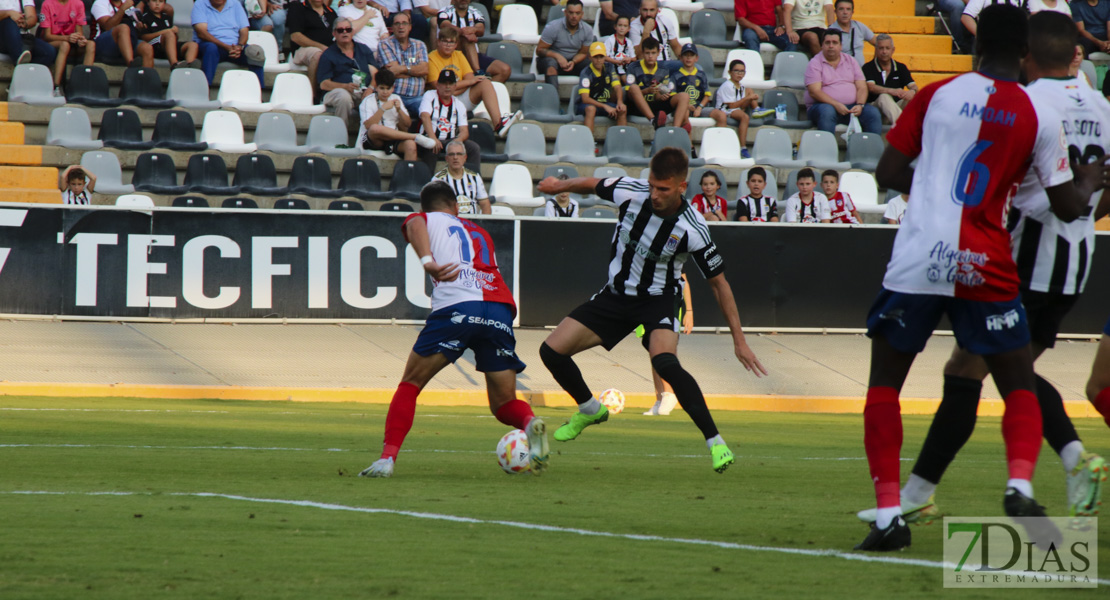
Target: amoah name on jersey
[988, 114]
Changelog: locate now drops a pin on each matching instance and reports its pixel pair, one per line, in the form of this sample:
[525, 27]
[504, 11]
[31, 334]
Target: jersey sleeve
[635, 33]
[480, 191]
[704, 252]
[773, 209]
[824, 209]
[1050, 150]
[606, 189]
[405, 224]
[790, 212]
[742, 209]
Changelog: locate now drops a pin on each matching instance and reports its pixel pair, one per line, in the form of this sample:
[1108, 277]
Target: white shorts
[464, 97]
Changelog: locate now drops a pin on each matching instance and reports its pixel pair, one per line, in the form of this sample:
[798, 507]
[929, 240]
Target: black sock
[566, 373]
[687, 391]
[951, 428]
[1058, 430]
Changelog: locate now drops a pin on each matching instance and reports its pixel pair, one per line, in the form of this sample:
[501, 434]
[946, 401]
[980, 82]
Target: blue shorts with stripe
[484, 327]
[906, 321]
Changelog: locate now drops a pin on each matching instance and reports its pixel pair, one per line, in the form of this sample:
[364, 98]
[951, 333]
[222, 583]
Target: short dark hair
[757, 171]
[77, 174]
[1003, 31]
[670, 163]
[437, 195]
[649, 43]
[571, 3]
[619, 17]
[393, 15]
[447, 34]
[830, 173]
[806, 173]
[1052, 39]
[732, 65]
[384, 77]
[848, 2]
[712, 174]
[830, 31]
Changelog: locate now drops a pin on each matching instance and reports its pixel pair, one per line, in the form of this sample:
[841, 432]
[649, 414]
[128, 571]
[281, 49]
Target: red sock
[515, 413]
[398, 421]
[1102, 404]
[1021, 429]
[882, 438]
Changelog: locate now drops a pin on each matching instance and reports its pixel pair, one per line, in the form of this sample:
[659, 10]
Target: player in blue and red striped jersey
[472, 307]
[974, 136]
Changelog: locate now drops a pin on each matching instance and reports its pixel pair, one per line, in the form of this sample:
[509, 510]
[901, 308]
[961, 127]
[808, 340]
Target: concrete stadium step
[20, 154]
[907, 8]
[885, 23]
[924, 79]
[32, 178]
[935, 63]
[907, 45]
[31, 196]
[11, 132]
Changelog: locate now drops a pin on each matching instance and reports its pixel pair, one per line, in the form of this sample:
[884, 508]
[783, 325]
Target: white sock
[713, 441]
[1069, 455]
[590, 407]
[917, 490]
[1022, 485]
[885, 515]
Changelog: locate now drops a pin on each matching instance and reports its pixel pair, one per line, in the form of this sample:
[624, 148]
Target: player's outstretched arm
[723, 292]
[417, 232]
[553, 186]
[894, 170]
[1070, 200]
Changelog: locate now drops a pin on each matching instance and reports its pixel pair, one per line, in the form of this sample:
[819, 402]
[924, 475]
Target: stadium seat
[863, 190]
[398, 207]
[33, 84]
[190, 202]
[789, 69]
[189, 89]
[175, 130]
[276, 132]
[293, 92]
[598, 213]
[503, 211]
[575, 144]
[156, 173]
[791, 186]
[693, 182]
[255, 174]
[207, 174]
[753, 64]
[360, 178]
[682, 5]
[489, 36]
[819, 150]
[109, 175]
[311, 175]
[624, 146]
[326, 133]
[88, 85]
[269, 45]
[554, 12]
[70, 128]
[705, 65]
[677, 137]
[1088, 69]
[481, 133]
[720, 146]
[718, 5]
[120, 128]
[239, 203]
[519, 24]
[509, 53]
[223, 131]
[539, 211]
[182, 11]
[345, 205]
[408, 178]
[795, 118]
[773, 147]
[240, 89]
[503, 101]
[540, 102]
[135, 201]
[607, 172]
[292, 204]
[559, 170]
[512, 184]
[864, 150]
[771, 189]
[526, 143]
[708, 28]
[142, 87]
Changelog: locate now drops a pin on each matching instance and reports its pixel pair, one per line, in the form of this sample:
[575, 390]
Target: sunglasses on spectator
[344, 29]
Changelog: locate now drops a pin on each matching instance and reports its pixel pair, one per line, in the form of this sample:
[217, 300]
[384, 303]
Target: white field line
[828, 553]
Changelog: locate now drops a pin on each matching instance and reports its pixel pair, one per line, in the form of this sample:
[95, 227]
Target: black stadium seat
[292, 204]
[190, 202]
[207, 174]
[88, 85]
[311, 176]
[143, 87]
[360, 178]
[156, 173]
[175, 130]
[239, 203]
[408, 179]
[255, 174]
[121, 128]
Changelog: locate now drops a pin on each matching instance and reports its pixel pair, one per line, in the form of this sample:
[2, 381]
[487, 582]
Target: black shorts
[613, 317]
[817, 31]
[1046, 311]
[484, 61]
[160, 50]
[661, 106]
[387, 147]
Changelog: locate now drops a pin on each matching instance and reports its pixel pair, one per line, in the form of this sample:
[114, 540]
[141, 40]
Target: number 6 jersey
[460, 241]
[975, 138]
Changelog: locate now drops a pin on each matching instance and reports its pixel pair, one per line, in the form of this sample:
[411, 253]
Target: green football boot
[578, 422]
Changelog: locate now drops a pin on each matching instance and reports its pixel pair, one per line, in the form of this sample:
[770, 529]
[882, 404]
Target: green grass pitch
[797, 482]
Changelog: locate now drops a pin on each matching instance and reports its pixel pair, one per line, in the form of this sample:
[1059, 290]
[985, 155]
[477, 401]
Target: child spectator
[734, 100]
[694, 82]
[72, 184]
[619, 50]
[807, 205]
[841, 207]
[562, 206]
[755, 206]
[896, 209]
[651, 90]
[161, 33]
[63, 27]
[385, 123]
[601, 89]
[708, 203]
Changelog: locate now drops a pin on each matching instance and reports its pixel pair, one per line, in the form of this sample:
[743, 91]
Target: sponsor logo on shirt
[457, 318]
[490, 323]
[451, 345]
[1006, 320]
[956, 266]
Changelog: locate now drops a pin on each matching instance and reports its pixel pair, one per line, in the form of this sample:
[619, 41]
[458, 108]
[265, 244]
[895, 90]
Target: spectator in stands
[14, 20]
[564, 45]
[695, 84]
[651, 90]
[601, 90]
[970, 16]
[470, 25]
[854, 32]
[711, 206]
[345, 69]
[75, 189]
[160, 32]
[756, 206]
[618, 48]
[890, 85]
[611, 9]
[470, 89]
[806, 21]
[562, 206]
[269, 16]
[221, 28]
[1060, 6]
[408, 60]
[63, 28]
[763, 21]
[470, 191]
[662, 28]
[734, 100]
[443, 119]
[807, 205]
[423, 13]
[954, 10]
[1091, 17]
[385, 122]
[369, 25]
[896, 209]
[118, 38]
[836, 89]
[841, 207]
[310, 30]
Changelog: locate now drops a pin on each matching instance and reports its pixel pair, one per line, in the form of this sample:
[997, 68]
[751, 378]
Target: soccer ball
[512, 452]
[613, 399]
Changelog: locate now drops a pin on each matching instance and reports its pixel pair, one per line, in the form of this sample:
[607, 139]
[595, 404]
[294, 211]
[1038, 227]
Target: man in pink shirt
[836, 89]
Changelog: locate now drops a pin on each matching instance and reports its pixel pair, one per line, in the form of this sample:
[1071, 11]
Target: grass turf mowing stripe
[828, 553]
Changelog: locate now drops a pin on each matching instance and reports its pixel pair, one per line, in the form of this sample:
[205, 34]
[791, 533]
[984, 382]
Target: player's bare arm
[417, 230]
[1070, 200]
[894, 170]
[722, 291]
[577, 185]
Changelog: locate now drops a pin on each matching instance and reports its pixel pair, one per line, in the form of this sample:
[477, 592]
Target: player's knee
[667, 365]
[552, 359]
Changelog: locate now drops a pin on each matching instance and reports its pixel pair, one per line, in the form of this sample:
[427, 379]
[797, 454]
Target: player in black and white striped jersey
[657, 230]
[471, 25]
[470, 190]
